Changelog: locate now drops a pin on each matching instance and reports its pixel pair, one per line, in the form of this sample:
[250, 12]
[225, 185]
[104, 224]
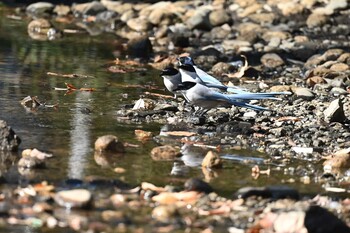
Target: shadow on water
[70, 130]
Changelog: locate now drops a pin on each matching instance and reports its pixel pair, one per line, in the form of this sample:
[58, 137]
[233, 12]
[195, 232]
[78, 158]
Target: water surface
[70, 130]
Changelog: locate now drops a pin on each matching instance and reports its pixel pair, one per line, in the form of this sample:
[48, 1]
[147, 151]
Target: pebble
[109, 143]
[75, 198]
[271, 60]
[335, 112]
[164, 213]
[303, 93]
[212, 160]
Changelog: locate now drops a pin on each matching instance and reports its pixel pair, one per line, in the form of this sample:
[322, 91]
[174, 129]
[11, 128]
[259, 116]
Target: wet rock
[316, 20]
[140, 47]
[114, 217]
[75, 198]
[195, 184]
[164, 213]
[41, 29]
[30, 163]
[109, 143]
[9, 141]
[320, 220]
[271, 60]
[335, 112]
[303, 93]
[212, 160]
[39, 9]
[166, 152]
[200, 19]
[274, 192]
[90, 8]
[219, 17]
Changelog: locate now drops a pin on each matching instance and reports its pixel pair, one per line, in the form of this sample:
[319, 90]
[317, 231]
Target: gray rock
[271, 60]
[140, 47]
[200, 20]
[335, 112]
[91, 8]
[9, 141]
[39, 9]
[219, 17]
[303, 93]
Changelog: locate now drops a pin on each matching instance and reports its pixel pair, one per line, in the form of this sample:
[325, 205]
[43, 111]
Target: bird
[198, 94]
[206, 79]
[172, 79]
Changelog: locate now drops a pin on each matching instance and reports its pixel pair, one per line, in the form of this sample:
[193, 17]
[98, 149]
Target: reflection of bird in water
[191, 156]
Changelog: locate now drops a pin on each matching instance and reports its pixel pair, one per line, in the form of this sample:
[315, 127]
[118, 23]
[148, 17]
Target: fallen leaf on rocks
[339, 159]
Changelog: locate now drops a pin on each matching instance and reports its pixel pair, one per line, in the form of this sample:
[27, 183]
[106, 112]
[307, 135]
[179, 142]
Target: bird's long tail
[256, 96]
[250, 106]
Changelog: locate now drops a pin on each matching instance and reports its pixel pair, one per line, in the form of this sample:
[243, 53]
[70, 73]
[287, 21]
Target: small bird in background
[205, 78]
[172, 79]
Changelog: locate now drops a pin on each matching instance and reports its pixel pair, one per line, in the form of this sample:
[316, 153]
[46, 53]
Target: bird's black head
[187, 67]
[185, 60]
[169, 71]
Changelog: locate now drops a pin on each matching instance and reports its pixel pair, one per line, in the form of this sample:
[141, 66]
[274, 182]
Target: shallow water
[70, 130]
